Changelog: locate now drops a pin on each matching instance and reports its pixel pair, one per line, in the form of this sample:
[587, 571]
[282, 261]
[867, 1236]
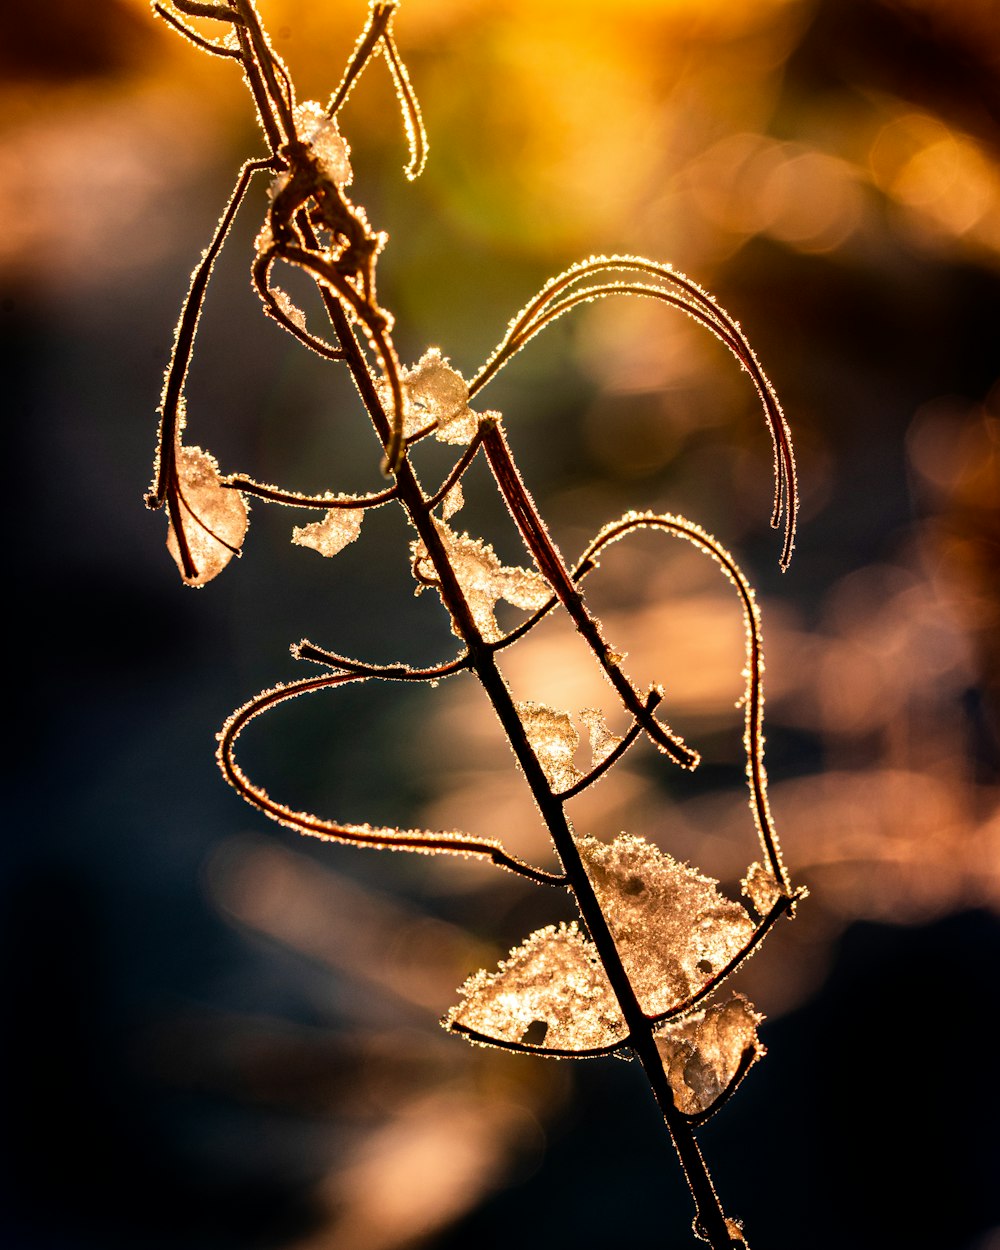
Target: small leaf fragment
[553, 740]
[703, 1052]
[213, 518]
[673, 929]
[482, 578]
[602, 740]
[284, 301]
[338, 528]
[762, 888]
[436, 393]
[332, 153]
[555, 977]
[453, 502]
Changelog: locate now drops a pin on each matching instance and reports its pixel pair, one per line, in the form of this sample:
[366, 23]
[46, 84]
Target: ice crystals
[483, 579]
[554, 741]
[762, 888]
[212, 518]
[437, 394]
[703, 1053]
[338, 527]
[673, 929]
[324, 138]
[555, 977]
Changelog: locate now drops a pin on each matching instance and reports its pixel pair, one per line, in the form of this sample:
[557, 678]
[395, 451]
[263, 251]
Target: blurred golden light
[751, 184]
[944, 177]
[426, 1167]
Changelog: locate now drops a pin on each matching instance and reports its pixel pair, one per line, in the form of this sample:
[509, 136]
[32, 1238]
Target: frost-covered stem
[550, 562]
[710, 1220]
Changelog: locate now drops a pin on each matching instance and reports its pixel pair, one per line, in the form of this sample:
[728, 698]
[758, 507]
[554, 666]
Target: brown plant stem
[710, 1220]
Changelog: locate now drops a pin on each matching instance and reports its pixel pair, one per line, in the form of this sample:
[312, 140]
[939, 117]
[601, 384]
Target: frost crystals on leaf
[483, 579]
[703, 1053]
[554, 741]
[324, 138]
[453, 501]
[762, 888]
[213, 519]
[437, 393]
[554, 978]
[673, 929]
[602, 740]
[339, 527]
[294, 314]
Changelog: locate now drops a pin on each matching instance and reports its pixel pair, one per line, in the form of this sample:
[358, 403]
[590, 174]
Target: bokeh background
[219, 1036]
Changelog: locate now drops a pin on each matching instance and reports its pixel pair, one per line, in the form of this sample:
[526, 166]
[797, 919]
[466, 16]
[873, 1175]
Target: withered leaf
[554, 979]
[553, 740]
[602, 740]
[213, 518]
[338, 528]
[672, 927]
[762, 888]
[483, 578]
[702, 1053]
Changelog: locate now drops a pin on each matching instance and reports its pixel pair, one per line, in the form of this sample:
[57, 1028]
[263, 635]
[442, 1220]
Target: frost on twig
[553, 740]
[673, 929]
[762, 888]
[482, 578]
[602, 741]
[436, 395]
[554, 986]
[337, 529]
[325, 141]
[453, 501]
[657, 937]
[213, 520]
[703, 1053]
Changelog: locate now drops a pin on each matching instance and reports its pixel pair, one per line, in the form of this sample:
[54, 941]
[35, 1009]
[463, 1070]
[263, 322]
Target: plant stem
[710, 1220]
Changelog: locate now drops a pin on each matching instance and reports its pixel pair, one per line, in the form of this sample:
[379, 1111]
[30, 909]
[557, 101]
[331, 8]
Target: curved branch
[291, 499]
[171, 401]
[540, 311]
[457, 472]
[421, 840]
[306, 650]
[612, 758]
[217, 12]
[546, 1052]
[753, 739]
[206, 45]
[413, 122]
[260, 276]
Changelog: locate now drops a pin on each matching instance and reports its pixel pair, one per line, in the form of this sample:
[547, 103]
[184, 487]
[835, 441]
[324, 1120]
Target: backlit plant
[638, 975]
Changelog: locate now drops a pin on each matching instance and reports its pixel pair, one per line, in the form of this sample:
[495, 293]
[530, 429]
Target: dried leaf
[483, 579]
[324, 138]
[602, 740]
[554, 979]
[762, 888]
[524, 588]
[453, 501]
[702, 1053]
[435, 392]
[284, 301]
[338, 527]
[554, 741]
[673, 929]
[213, 518]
